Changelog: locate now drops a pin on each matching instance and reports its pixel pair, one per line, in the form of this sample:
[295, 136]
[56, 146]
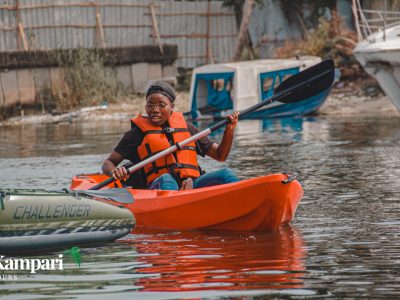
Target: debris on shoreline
[348, 100]
[122, 110]
[51, 118]
[357, 99]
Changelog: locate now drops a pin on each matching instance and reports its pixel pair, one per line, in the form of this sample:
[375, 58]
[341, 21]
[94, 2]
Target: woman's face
[158, 108]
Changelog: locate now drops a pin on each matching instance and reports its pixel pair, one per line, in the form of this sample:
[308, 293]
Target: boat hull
[33, 220]
[380, 57]
[258, 204]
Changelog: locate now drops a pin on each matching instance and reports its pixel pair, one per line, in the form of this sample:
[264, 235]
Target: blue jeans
[167, 182]
[164, 182]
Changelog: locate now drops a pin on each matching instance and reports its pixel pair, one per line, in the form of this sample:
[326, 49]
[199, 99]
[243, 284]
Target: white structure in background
[379, 49]
[219, 89]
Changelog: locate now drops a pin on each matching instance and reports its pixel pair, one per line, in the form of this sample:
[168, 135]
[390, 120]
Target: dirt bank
[345, 101]
[352, 101]
[123, 110]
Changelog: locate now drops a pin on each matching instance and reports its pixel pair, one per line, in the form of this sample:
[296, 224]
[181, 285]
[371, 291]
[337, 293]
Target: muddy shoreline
[354, 102]
[343, 102]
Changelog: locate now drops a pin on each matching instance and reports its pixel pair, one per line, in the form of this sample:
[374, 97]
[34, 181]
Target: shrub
[86, 81]
[328, 40]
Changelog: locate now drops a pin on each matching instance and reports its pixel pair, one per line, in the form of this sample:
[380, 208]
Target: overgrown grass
[85, 81]
[328, 40]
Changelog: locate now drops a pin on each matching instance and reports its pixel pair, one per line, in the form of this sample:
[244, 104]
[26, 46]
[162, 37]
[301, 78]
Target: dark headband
[162, 88]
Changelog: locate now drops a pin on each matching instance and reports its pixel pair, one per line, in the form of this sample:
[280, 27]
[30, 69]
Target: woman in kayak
[161, 128]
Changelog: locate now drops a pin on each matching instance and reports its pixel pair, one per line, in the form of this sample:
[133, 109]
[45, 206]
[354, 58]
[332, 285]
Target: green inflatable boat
[32, 220]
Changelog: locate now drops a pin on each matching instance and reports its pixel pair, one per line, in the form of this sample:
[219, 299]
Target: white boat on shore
[379, 51]
[219, 89]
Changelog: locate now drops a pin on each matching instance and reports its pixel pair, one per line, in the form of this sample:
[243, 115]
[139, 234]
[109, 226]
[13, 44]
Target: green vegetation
[85, 81]
[328, 39]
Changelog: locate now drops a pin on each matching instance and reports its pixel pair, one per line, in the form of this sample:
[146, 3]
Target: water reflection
[348, 218]
[179, 262]
[282, 124]
[60, 139]
[288, 124]
[189, 261]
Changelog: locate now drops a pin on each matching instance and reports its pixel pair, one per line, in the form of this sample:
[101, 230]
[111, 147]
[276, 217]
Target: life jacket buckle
[168, 130]
[178, 146]
[177, 166]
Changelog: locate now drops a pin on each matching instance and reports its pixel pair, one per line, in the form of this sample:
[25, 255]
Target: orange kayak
[258, 204]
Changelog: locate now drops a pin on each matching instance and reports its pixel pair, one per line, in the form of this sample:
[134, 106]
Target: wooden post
[1, 94]
[21, 33]
[249, 47]
[156, 32]
[208, 45]
[248, 7]
[99, 28]
[17, 23]
[211, 55]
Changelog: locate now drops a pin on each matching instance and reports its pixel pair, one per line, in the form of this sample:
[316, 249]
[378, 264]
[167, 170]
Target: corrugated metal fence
[204, 31]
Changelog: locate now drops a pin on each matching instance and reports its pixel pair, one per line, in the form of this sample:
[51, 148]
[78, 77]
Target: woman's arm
[220, 152]
[110, 164]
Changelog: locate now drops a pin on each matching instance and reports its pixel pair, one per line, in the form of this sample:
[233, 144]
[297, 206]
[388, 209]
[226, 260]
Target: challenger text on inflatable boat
[31, 264]
[29, 212]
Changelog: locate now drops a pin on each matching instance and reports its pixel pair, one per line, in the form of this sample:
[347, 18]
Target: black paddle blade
[117, 195]
[308, 82]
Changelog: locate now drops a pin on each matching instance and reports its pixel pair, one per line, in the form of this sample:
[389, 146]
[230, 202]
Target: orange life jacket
[182, 163]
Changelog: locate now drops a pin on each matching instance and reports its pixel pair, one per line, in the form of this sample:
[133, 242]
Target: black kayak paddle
[300, 86]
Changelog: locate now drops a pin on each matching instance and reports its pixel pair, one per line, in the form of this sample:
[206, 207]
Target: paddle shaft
[277, 96]
[153, 158]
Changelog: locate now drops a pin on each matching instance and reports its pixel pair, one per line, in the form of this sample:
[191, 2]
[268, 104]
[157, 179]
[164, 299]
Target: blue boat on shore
[219, 89]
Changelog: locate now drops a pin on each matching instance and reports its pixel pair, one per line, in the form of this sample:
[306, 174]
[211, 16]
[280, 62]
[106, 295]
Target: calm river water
[343, 243]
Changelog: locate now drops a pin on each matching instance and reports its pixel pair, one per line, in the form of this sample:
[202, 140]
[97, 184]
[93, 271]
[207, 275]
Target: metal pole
[357, 23]
[384, 21]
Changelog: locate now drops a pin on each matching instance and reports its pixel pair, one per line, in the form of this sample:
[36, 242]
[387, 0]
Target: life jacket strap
[172, 168]
[183, 166]
[148, 149]
[173, 130]
[166, 130]
[150, 154]
[157, 131]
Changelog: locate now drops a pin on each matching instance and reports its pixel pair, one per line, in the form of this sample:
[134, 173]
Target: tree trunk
[248, 7]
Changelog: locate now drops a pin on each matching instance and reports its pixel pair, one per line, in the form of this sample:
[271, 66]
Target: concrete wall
[21, 86]
[25, 76]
